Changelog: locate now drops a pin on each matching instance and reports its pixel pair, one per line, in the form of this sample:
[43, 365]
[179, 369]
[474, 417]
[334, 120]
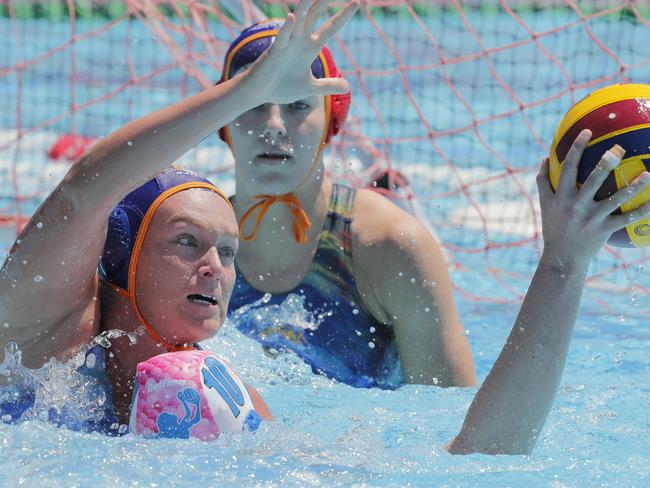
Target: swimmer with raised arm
[375, 280]
[370, 275]
[166, 245]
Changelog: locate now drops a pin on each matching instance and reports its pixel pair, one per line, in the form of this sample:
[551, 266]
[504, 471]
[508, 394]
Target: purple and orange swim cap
[128, 224]
[256, 39]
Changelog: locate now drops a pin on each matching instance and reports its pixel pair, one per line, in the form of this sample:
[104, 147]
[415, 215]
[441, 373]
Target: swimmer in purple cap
[165, 239]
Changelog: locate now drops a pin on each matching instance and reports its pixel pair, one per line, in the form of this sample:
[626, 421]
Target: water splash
[104, 338]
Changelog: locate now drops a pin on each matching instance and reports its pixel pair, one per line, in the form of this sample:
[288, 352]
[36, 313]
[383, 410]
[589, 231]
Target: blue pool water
[328, 434]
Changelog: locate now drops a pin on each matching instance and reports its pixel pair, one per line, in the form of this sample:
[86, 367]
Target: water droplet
[250, 132]
[372, 330]
[612, 116]
[261, 278]
[39, 225]
[38, 279]
[130, 143]
[413, 280]
[400, 274]
[371, 345]
[355, 312]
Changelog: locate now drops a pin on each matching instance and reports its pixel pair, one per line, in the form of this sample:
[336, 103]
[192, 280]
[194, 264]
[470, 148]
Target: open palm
[282, 74]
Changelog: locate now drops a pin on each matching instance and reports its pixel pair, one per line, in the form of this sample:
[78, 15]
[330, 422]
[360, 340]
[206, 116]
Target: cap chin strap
[148, 328]
[169, 346]
[301, 222]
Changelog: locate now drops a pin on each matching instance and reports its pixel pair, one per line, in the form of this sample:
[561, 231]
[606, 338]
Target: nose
[211, 266]
[274, 126]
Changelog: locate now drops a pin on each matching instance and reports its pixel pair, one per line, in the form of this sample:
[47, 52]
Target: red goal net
[457, 100]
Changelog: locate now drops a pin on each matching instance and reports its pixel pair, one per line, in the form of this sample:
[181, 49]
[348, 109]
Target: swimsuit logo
[171, 427]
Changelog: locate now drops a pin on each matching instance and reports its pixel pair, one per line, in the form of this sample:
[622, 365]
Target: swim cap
[128, 224]
[190, 394]
[256, 39]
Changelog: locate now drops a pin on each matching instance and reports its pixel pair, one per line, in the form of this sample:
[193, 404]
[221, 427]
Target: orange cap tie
[301, 223]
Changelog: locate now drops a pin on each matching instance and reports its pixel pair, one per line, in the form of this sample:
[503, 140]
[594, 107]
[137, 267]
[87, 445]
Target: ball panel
[635, 142]
[603, 96]
[610, 118]
[620, 238]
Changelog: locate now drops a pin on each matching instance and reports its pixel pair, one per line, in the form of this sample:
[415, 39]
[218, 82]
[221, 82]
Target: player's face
[185, 273]
[275, 145]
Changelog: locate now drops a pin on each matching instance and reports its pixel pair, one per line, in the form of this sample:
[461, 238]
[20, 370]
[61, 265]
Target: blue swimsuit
[340, 338]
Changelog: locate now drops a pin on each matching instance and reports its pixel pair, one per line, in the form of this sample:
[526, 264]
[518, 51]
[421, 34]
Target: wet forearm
[511, 406]
[134, 153]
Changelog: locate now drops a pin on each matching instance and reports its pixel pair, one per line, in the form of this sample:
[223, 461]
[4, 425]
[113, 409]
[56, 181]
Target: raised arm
[509, 410]
[48, 284]
[410, 290]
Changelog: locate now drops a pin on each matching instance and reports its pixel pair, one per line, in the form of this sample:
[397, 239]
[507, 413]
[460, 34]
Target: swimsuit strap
[339, 220]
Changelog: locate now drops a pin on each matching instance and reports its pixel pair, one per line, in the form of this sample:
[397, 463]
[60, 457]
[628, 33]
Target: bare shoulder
[387, 243]
[378, 223]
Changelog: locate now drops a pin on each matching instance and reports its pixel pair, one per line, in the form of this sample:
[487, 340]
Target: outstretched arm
[48, 284]
[509, 410]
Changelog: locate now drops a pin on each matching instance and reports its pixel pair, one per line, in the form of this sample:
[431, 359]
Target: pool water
[328, 434]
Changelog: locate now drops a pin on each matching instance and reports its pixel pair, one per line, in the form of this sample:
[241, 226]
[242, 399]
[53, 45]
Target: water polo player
[166, 245]
[309, 240]
[374, 280]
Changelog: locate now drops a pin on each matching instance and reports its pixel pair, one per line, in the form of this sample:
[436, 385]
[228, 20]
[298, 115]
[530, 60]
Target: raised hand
[282, 74]
[575, 227]
[189, 395]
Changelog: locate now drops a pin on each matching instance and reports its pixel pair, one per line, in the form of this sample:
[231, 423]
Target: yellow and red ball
[617, 114]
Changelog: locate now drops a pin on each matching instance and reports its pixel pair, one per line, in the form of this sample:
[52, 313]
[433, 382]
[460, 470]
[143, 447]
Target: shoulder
[388, 243]
[378, 223]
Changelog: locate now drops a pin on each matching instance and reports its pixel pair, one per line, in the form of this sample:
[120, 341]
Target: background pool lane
[326, 433]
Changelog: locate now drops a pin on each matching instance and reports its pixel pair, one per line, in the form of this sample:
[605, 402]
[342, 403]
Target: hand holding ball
[619, 118]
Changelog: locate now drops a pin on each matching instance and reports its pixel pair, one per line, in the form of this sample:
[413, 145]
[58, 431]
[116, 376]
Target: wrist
[554, 263]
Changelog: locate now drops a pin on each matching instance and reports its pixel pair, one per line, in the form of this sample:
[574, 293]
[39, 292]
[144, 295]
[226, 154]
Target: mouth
[205, 300]
[278, 158]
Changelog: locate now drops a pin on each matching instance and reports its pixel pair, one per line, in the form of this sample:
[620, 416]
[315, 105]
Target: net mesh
[458, 100]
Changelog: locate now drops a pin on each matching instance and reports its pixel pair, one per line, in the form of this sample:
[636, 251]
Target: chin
[194, 332]
[277, 183]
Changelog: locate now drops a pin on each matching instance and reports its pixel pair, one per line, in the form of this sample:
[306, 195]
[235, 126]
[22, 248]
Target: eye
[186, 240]
[227, 254]
[299, 105]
